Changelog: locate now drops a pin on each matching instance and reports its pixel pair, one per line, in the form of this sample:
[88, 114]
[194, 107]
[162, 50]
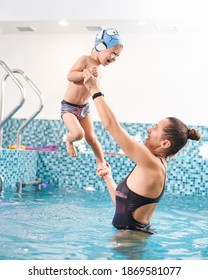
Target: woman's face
[155, 138]
[110, 55]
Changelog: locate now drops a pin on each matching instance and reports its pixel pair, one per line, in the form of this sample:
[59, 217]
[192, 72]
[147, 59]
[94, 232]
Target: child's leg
[75, 132]
[90, 137]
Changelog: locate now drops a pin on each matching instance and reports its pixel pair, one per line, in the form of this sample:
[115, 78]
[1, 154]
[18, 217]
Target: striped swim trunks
[80, 111]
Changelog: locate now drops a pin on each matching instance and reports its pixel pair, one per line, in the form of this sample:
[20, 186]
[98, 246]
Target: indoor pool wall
[18, 165]
[187, 173]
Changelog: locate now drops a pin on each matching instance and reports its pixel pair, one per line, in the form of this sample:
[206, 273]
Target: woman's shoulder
[155, 163]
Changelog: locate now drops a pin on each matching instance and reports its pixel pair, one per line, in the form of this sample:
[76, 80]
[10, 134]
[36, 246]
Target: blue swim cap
[106, 39]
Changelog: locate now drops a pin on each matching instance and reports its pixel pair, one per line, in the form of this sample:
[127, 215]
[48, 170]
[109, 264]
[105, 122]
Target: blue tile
[187, 172]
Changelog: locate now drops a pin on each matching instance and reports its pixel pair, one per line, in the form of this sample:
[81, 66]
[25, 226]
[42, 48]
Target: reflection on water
[131, 244]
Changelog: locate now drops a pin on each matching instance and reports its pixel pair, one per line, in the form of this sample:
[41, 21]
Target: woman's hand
[94, 70]
[91, 82]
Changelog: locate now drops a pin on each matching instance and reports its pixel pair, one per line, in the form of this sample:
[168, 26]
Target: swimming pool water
[75, 224]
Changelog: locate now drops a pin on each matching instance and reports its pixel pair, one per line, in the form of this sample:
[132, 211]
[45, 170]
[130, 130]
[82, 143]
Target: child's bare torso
[76, 92]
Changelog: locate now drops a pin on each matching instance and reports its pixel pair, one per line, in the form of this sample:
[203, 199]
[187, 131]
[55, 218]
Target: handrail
[1, 185]
[39, 109]
[19, 105]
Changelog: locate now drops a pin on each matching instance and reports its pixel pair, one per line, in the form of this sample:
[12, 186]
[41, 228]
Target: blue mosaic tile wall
[187, 172]
[18, 165]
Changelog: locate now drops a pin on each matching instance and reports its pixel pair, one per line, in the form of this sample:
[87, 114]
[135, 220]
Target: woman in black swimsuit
[137, 196]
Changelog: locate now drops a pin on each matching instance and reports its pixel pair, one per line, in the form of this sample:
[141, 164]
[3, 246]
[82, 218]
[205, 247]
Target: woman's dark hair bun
[193, 134]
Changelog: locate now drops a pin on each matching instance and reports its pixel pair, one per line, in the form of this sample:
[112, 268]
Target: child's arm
[110, 184]
[76, 72]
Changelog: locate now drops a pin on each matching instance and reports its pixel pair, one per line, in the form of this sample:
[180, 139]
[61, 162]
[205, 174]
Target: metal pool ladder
[11, 73]
[3, 121]
[1, 185]
[20, 185]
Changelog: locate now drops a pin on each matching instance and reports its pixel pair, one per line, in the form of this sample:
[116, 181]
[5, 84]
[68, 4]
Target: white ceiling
[43, 17]
[85, 26]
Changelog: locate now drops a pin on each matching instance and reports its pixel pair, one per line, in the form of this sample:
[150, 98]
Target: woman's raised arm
[134, 150]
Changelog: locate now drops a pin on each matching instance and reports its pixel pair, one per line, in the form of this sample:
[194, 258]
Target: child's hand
[109, 173]
[90, 81]
[94, 70]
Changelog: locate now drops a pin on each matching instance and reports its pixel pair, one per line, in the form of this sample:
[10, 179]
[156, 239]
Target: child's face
[110, 55]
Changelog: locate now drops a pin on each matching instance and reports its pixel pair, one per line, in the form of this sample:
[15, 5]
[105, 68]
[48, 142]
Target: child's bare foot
[71, 149]
[102, 169]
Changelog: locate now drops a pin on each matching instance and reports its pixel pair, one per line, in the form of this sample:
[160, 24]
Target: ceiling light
[63, 23]
[141, 22]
